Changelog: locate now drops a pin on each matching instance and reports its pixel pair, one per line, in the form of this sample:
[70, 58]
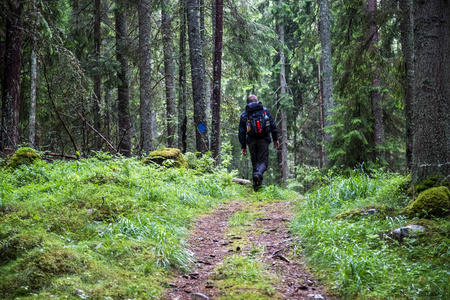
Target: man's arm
[243, 135]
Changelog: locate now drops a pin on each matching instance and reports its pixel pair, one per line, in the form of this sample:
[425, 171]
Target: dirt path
[213, 239]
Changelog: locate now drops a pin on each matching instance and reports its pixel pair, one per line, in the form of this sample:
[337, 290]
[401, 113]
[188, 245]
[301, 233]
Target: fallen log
[61, 155]
[241, 181]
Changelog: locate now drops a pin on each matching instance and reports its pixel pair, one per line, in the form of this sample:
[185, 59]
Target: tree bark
[123, 96]
[217, 78]
[182, 92]
[321, 116]
[377, 110]
[431, 104]
[97, 77]
[33, 81]
[326, 59]
[202, 20]
[198, 76]
[407, 40]
[145, 88]
[169, 73]
[11, 82]
[282, 150]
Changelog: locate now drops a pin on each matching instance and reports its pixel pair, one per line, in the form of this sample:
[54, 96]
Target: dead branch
[62, 155]
[95, 130]
[56, 108]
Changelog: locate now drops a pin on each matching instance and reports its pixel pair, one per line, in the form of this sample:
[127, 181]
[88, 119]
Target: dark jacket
[245, 139]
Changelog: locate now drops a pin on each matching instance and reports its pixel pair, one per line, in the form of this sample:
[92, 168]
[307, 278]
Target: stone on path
[198, 296]
[316, 296]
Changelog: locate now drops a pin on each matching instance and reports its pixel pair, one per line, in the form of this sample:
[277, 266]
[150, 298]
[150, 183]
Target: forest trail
[246, 229]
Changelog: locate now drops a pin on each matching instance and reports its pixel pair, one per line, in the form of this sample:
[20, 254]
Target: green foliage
[358, 62]
[351, 249]
[431, 202]
[112, 227]
[308, 177]
[273, 193]
[201, 163]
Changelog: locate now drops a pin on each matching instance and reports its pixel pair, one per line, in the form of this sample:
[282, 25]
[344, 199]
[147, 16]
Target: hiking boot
[257, 179]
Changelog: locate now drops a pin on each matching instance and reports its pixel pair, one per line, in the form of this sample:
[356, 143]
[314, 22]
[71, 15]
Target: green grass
[245, 277]
[352, 250]
[108, 227]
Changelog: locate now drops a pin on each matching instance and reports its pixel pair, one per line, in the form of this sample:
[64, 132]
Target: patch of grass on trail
[352, 251]
[243, 275]
[100, 228]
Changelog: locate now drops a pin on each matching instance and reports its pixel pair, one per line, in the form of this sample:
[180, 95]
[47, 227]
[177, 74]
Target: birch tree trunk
[431, 103]
[182, 92]
[11, 82]
[327, 74]
[97, 77]
[198, 76]
[169, 73]
[282, 151]
[217, 77]
[123, 96]
[145, 79]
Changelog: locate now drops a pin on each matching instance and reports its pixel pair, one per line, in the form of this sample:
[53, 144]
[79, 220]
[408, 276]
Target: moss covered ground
[99, 228]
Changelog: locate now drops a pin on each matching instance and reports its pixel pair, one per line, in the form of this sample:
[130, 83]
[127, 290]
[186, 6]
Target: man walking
[255, 125]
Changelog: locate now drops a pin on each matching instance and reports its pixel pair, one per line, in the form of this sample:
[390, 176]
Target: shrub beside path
[262, 235]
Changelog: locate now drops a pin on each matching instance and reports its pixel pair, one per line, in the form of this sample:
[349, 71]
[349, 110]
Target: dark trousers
[259, 153]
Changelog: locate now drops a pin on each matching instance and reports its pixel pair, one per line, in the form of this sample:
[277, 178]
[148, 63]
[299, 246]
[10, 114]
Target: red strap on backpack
[258, 126]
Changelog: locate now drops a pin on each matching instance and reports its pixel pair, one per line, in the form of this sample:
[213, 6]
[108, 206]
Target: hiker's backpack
[258, 123]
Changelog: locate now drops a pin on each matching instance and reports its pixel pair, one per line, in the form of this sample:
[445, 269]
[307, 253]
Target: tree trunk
[11, 82]
[169, 73]
[97, 77]
[33, 81]
[377, 110]
[327, 77]
[182, 101]
[145, 88]
[202, 20]
[198, 76]
[321, 116]
[431, 104]
[217, 77]
[283, 152]
[123, 96]
[407, 40]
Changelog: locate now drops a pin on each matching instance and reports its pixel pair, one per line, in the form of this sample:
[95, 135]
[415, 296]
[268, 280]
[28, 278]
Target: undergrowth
[100, 228]
[352, 249]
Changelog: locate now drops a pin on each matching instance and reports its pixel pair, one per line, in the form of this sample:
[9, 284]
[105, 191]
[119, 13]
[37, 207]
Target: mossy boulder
[167, 157]
[431, 202]
[23, 156]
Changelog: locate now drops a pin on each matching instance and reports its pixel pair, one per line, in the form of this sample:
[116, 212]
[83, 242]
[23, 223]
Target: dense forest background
[352, 83]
